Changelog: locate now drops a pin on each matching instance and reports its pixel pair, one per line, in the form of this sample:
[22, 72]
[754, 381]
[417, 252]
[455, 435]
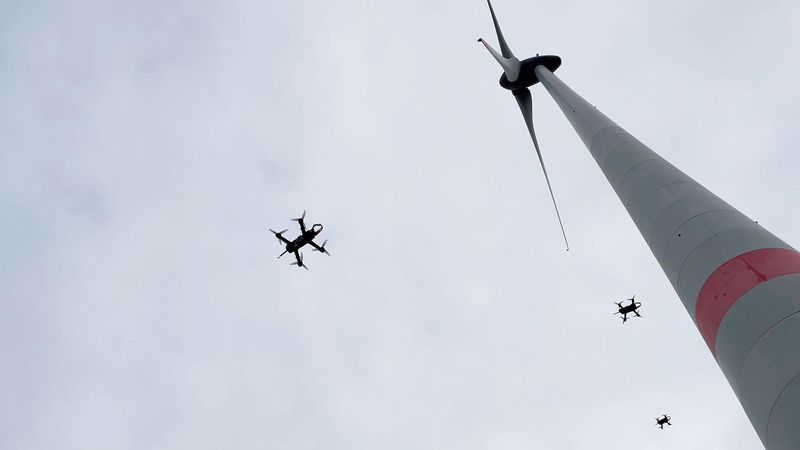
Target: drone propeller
[300, 262]
[278, 233]
[278, 237]
[301, 217]
[511, 67]
[322, 248]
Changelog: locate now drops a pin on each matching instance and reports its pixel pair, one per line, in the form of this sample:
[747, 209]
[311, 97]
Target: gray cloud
[145, 148]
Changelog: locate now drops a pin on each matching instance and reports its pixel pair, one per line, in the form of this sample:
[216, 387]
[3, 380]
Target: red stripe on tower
[733, 279]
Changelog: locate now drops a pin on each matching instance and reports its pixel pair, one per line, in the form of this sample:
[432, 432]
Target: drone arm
[318, 248]
[299, 220]
[299, 262]
[279, 235]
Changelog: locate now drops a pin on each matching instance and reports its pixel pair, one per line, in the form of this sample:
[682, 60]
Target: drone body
[306, 238]
[632, 308]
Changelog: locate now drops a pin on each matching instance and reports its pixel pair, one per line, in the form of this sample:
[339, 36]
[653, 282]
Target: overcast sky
[146, 146]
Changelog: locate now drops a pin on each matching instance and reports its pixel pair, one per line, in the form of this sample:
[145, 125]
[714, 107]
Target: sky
[146, 147]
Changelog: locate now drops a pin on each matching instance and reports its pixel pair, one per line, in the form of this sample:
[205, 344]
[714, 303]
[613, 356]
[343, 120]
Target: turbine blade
[503, 45]
[511, 66]
[525, 103]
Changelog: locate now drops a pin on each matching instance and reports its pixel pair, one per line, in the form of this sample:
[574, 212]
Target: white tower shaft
[738, 282]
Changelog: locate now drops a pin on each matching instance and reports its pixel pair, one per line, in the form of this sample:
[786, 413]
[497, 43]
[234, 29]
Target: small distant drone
[628, 309]
[661, 421]
[306, 237]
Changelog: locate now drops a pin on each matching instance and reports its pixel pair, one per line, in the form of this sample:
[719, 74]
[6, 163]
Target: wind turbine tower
[739, 283]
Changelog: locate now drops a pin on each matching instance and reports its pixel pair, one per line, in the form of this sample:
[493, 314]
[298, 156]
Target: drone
[660, 421]
[306, 237]
[628, 309]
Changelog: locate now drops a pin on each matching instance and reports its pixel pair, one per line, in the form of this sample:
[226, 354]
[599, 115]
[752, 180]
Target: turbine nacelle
[527, 75]
[521, 74]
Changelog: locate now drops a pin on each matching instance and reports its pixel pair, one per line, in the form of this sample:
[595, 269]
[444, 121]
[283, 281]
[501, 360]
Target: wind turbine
[739, 283]
[517, 77]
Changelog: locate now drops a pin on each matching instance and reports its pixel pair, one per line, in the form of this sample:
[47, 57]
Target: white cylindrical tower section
[739, 282]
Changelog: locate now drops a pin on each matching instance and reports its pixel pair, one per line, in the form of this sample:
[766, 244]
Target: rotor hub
[527, 74]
